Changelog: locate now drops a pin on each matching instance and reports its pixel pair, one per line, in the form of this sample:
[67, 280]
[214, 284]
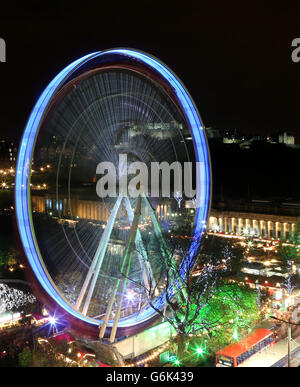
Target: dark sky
[234, 59]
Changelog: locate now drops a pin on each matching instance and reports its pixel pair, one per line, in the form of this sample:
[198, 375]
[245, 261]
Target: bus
[235, 354]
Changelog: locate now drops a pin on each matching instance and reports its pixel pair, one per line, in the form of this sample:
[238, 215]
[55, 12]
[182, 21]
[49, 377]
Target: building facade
[264, 225]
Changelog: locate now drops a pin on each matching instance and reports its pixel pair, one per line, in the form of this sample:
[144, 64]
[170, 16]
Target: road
[276, 356]
[295, 359]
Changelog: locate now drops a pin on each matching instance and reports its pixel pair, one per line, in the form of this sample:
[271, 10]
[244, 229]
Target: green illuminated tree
[236, 310]
[2, 261]
[232, 306]
[186, 293]
[25, 358]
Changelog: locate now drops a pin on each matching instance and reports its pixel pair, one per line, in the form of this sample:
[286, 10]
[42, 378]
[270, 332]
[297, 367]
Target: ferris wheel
[97, 257]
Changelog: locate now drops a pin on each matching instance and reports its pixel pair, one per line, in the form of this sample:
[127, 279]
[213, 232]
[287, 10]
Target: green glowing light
[199, 351]
[235, 334]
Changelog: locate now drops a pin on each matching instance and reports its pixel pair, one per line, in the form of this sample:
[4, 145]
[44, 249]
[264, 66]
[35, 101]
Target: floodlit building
[286, 138]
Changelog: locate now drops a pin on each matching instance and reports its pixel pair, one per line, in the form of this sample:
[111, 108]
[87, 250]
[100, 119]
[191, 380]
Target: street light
[52, 320]
[289, 335]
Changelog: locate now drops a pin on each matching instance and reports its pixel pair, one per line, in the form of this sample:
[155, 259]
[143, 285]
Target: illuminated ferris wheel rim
[22, 183]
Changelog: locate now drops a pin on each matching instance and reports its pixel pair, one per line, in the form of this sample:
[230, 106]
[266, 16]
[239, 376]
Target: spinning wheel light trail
[100, 106]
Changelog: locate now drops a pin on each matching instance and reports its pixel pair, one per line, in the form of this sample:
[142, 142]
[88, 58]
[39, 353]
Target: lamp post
[289, 335]
[289, 342]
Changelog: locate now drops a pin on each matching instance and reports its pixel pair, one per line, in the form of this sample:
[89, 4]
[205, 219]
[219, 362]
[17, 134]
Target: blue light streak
[22, 196]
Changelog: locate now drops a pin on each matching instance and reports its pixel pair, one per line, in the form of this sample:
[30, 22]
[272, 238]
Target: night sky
[234, 59]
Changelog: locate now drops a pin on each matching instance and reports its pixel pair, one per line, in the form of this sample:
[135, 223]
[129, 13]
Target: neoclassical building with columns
[264, 225]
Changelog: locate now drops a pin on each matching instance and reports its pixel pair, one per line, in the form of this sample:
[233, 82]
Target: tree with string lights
[11, 298]
[178, 198]
[235, 308]
[290, 255]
